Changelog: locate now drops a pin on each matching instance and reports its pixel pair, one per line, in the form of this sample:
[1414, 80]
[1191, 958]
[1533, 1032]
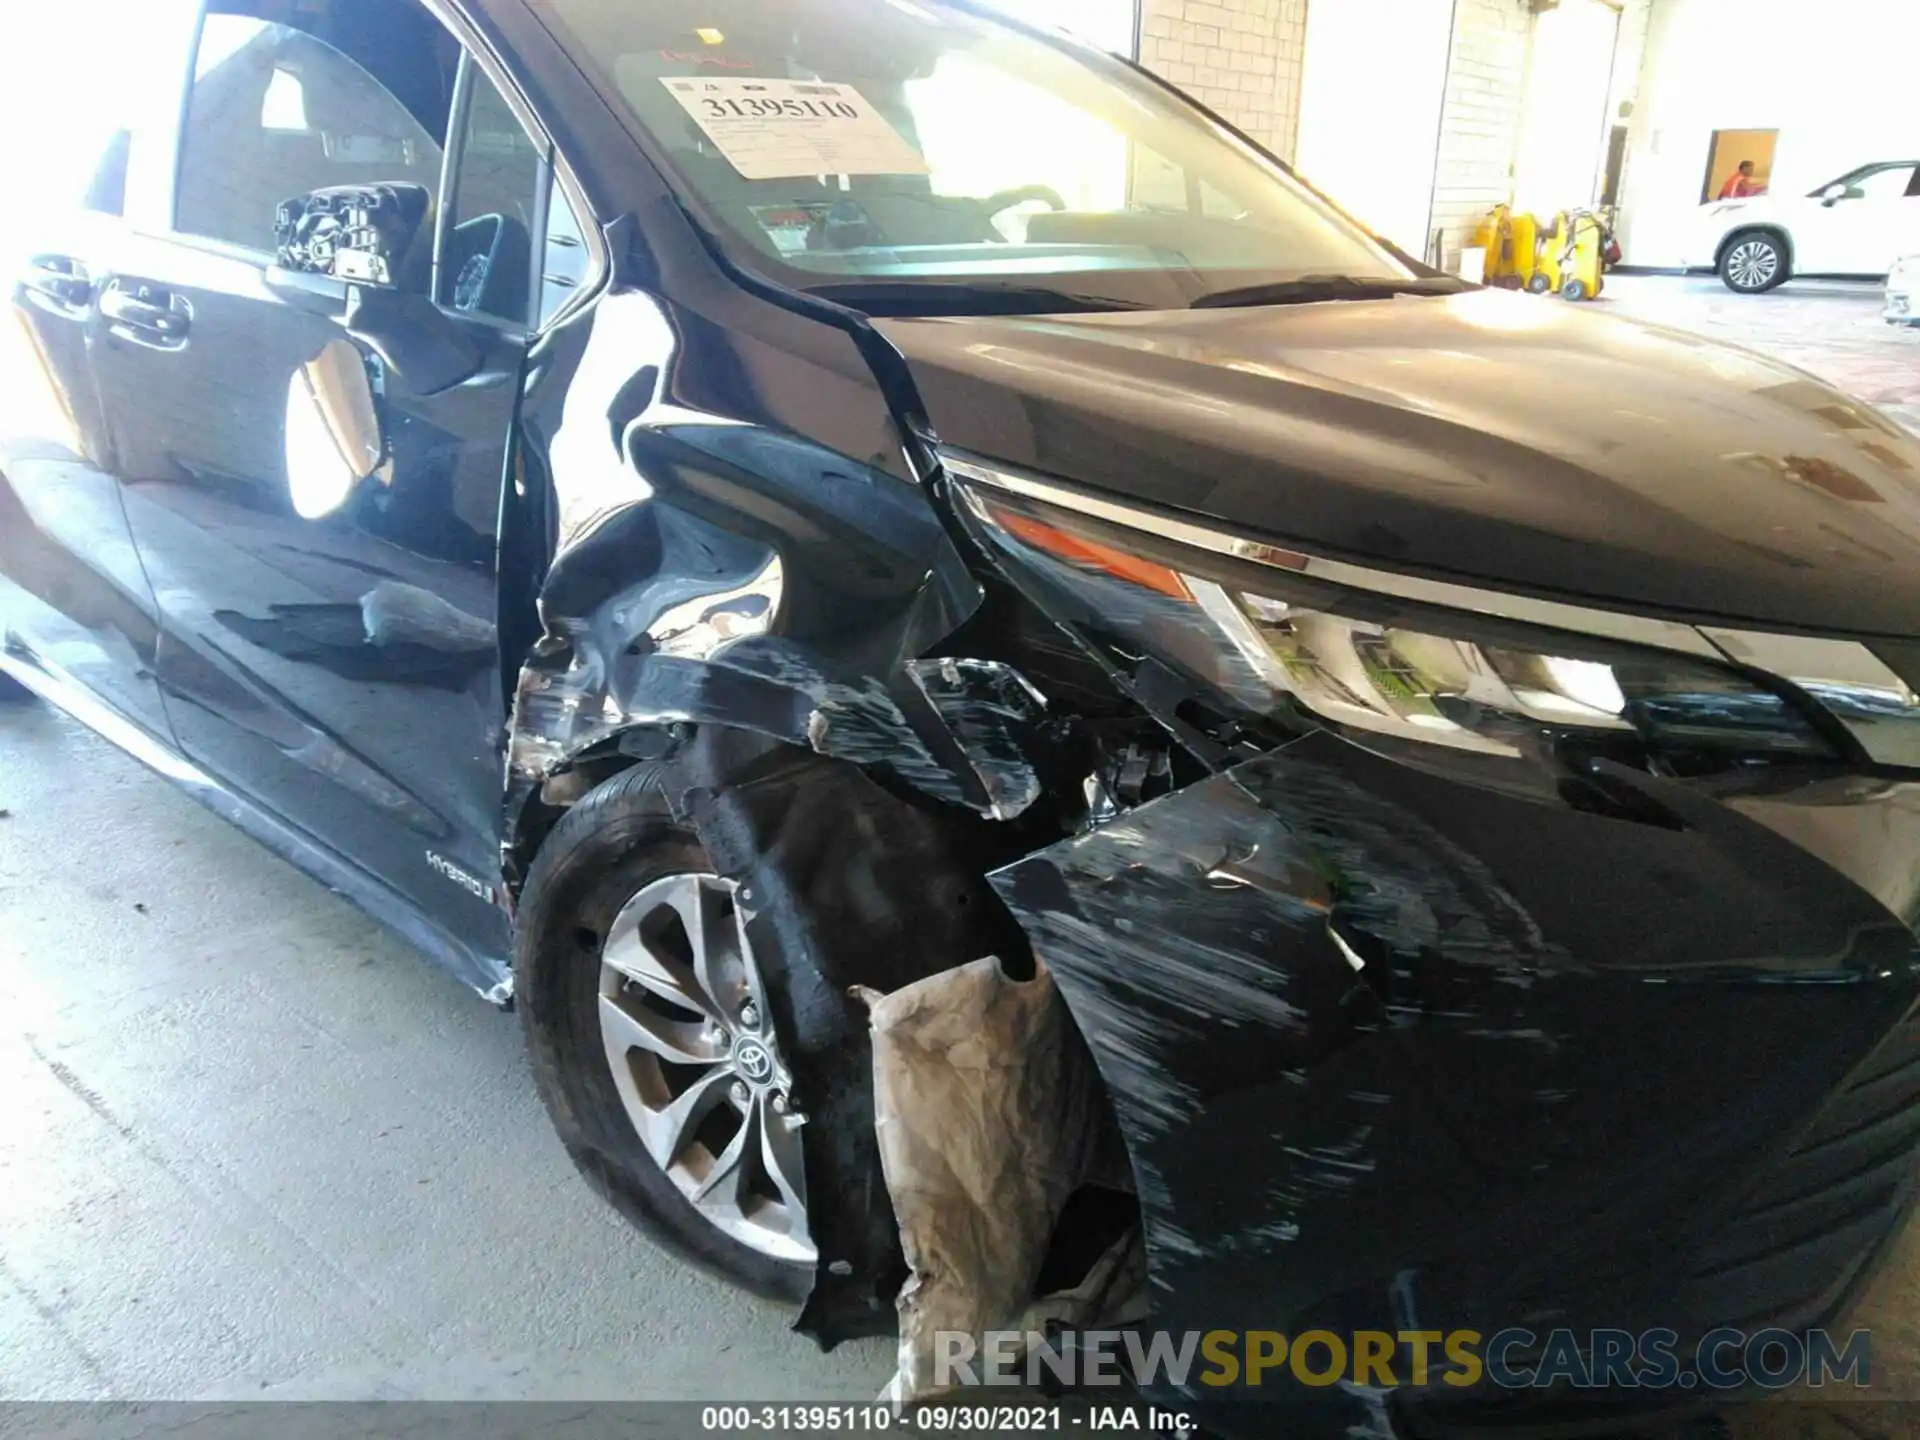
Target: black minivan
[706, 514]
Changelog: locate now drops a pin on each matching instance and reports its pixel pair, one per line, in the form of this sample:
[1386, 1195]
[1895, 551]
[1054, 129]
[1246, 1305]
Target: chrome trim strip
[1845, 678]
[64, 693]
[1810, 660]
[1557, 615]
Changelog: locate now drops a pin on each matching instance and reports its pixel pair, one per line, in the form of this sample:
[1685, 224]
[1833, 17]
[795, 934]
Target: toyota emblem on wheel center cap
[753, 1061]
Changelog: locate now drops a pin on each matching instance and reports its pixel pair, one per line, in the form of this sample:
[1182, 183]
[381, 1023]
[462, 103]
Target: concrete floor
[252, 1146]
[1830, 328]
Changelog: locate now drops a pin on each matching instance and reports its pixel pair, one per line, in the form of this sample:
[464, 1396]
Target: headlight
[1190, 616]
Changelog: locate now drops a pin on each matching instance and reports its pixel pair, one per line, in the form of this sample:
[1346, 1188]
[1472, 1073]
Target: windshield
[873, 148]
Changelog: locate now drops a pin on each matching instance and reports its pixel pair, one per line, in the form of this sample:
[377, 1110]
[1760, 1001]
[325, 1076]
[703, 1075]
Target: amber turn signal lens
[1079, 550]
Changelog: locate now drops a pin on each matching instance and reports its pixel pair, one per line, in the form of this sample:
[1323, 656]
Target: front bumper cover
[1394, 1049]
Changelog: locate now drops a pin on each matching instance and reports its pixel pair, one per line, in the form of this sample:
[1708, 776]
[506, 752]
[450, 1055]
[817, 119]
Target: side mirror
[357, 233]
[422, 349]
[361, 234]
[1836, 192]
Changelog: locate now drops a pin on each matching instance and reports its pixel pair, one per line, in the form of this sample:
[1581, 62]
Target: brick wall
[1243, 59]
[1481, 116]
[1239, 58]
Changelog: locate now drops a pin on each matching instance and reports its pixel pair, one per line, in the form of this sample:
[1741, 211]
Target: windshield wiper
[961, 297]
[1309, 288]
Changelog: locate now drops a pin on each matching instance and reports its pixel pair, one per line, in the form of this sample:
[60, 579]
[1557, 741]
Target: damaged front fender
[715, 570]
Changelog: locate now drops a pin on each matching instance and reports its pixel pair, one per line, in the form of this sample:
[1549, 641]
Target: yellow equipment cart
[1572, 260]
[1512, 245]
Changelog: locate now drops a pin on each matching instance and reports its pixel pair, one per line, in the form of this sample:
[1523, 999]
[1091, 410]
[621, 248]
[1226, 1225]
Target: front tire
[652, 1042]
[849, 886]
[1755, 262]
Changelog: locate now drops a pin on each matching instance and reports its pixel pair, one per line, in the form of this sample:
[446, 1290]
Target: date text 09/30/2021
[949, 1418]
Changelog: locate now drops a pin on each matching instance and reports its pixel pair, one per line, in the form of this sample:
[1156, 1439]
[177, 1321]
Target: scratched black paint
[1525, 1081]
[1396, 1041]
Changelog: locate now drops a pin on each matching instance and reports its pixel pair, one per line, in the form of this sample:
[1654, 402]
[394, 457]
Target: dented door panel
[1380, 1068]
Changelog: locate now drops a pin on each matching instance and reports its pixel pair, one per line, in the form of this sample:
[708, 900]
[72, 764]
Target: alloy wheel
[688, 1035]
[1752, 264]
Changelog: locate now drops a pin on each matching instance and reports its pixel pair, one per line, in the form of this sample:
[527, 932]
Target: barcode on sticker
[774, 129]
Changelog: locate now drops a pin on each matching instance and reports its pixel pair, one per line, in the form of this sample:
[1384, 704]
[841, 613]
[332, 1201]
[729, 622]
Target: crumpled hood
[1490, 437]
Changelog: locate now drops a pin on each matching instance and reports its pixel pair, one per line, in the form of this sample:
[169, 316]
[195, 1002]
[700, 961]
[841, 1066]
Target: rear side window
[83, 85]
[276, 112]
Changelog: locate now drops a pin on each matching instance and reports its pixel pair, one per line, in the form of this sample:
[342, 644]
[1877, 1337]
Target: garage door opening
[1370, 112]
[1563, 139]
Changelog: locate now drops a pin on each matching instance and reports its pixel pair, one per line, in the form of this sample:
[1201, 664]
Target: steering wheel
[1007, 199]
[492, 252]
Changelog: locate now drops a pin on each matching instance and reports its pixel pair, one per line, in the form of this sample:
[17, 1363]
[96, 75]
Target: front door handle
[58, 278]
[146, 314]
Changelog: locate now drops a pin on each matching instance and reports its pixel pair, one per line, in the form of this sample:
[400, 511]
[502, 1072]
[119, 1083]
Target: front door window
[277, 112]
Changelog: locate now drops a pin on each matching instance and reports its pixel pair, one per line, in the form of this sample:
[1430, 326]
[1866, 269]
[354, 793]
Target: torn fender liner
[842, 885]
[989, 1116]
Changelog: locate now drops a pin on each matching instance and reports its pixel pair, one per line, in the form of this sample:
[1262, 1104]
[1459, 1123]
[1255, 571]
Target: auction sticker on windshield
[779, 129]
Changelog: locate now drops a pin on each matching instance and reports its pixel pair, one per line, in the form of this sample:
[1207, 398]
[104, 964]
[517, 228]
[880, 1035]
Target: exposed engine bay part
[989, 1115]
[963, 744]
[991, 709]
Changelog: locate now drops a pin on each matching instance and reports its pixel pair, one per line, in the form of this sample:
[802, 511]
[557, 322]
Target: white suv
[1856, 226]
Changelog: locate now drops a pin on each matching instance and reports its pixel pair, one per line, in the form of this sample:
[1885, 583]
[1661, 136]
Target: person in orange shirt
[1741, 183]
